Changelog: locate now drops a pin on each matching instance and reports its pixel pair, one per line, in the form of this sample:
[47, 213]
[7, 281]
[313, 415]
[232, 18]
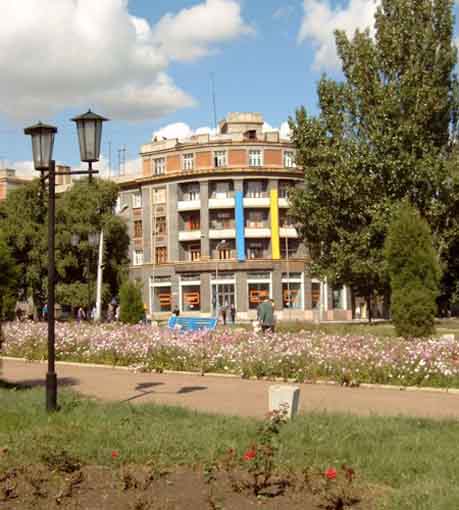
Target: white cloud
[283, 129]
[181, 131]
[77, 53]
[320, 21]
[190, 33]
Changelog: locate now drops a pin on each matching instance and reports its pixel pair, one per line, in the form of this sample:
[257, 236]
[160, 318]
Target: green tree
[23, 223]
[83, 210]
[383, 134]
[414, 273]
[131, 303]
[82, 213]
[8, 284]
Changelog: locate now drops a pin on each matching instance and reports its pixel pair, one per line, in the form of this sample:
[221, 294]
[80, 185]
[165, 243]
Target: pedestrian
[81, 314]
[44, 312]
[144, 317]
[93, 313]
[265, 314]
[176, 311]
[233, 313]
[117, 313]
[223, 313]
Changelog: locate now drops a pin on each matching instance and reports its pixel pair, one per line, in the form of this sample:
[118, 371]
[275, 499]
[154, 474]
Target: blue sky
[266, 56]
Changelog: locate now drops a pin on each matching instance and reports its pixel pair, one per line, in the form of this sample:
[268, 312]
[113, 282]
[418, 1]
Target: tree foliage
[383, 134]
[82, 210]
[9, 276]
[414, 273]
[131, 303]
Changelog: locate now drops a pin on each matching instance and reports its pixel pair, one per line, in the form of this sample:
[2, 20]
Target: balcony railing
[256, 194]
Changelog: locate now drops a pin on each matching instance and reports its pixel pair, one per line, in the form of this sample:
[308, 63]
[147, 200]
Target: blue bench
[192, 323]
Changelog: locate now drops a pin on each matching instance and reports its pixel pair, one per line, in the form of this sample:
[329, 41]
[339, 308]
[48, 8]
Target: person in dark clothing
[176, 311]
[265, 313]
[233, 313]
[223, 312]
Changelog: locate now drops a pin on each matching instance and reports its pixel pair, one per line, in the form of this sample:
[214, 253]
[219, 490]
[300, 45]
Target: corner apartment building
[209, 226]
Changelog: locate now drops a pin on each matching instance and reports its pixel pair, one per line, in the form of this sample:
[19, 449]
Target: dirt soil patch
[71, 486]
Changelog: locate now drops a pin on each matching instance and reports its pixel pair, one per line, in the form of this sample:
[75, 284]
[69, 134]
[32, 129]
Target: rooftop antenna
[214, 104]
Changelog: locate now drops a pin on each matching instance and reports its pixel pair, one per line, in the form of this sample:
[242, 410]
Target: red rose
[250, 454]
[114, 454]
[330, 474]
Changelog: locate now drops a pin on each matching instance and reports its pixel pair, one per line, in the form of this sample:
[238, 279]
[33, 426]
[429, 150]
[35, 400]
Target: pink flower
[330, 473]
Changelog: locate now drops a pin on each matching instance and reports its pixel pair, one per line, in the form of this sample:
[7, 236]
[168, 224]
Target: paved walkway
[232, 396]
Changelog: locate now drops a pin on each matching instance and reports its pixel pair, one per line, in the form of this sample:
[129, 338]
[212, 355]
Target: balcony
[189, 205]
[189, 235]
[257, 200]
[251, 233]
[222, 233]
[283, 202]
[289, 232]
[221, 202]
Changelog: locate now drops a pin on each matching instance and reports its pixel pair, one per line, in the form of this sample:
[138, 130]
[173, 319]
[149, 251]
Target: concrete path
[231, 396]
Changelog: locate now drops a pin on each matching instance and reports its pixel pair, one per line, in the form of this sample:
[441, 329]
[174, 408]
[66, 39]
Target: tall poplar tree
[384, 133]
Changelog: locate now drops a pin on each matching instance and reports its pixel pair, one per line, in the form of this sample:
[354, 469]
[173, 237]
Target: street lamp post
[89, 135]
[219, 246]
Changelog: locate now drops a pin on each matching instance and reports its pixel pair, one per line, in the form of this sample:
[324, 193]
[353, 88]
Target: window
[138, 257]
[315, 295]
[256, 219]
[161, 255]
[284, 188]
[222, 189]
[255, 189]
[137, 200]
[138, 231]
[254, 250]
[257, 293]
[251, 134]
[226, 295]
[195, 252]
[190, 191]
[220, 158]
[159, 195]
[160, 166]
[289, 246]
[286, 221]
[338, 298]
[191, 222]
[160, 226]
[188, 160]
[222, 220]
[255, 158]
[289, 159]
[162, 299]
[191, 298]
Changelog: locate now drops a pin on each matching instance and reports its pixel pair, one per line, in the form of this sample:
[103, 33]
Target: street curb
[427, 389]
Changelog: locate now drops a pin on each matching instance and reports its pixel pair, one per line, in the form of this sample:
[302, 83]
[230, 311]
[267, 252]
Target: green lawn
[416, 460]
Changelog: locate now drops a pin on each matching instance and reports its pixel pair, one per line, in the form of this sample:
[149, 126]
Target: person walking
[45, 312]
[233, 313]
[265, 314]
[223, 313]
[81, 315]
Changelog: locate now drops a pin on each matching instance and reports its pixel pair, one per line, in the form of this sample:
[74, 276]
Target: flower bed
[300, 356]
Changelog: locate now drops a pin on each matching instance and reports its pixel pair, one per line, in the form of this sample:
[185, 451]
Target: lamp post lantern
[89, 134]
[89, 127]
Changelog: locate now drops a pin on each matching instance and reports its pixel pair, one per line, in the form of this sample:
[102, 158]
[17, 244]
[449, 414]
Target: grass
[415, 459]
[379, 329]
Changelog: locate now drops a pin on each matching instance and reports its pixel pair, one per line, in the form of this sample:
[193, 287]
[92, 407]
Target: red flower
[330, 474]
[115, 454]
[250, 454]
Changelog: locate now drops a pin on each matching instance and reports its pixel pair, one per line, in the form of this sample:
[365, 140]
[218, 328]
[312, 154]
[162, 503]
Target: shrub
[131, 303]
[414, 273]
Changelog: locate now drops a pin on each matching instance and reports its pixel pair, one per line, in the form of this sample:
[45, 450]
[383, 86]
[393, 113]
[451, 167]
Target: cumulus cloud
[190, 33]
[320, 20]
[284, 129]
[180, 130]
[96, 53]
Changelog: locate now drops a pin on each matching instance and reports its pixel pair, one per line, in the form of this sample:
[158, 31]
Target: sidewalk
[231, 396]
